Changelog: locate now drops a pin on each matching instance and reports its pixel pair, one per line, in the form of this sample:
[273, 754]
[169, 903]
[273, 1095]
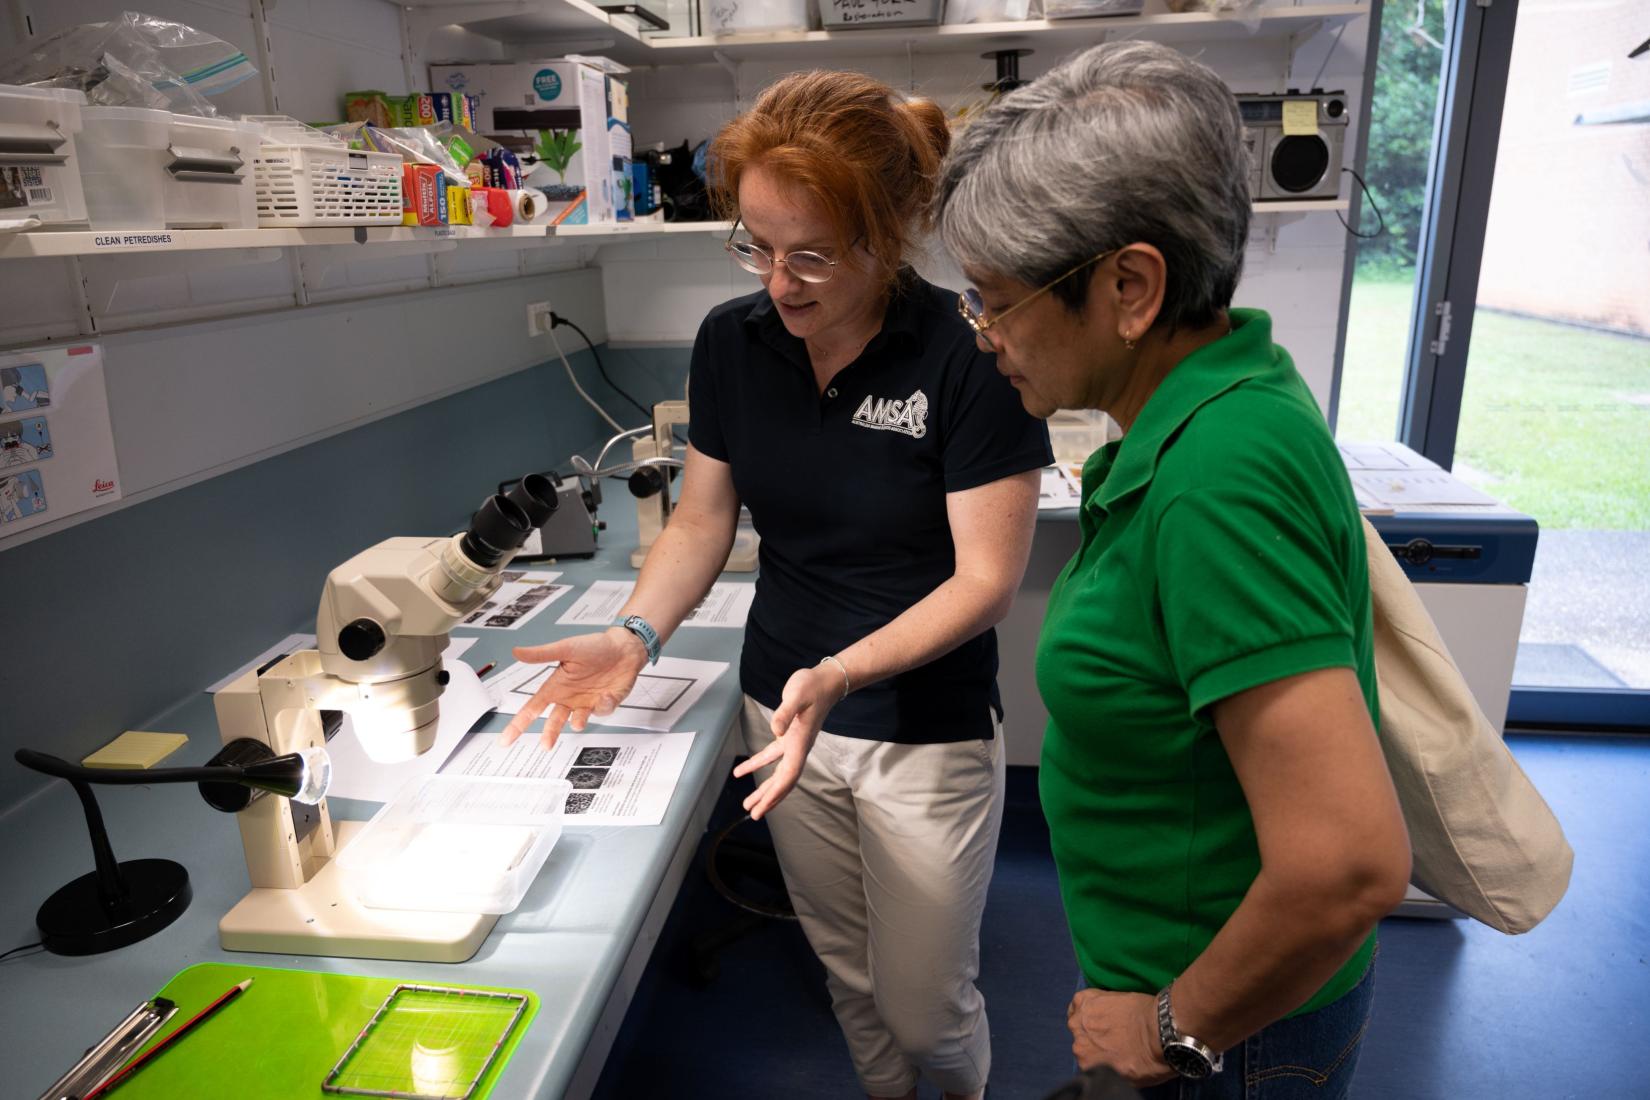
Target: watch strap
[1170, 1035]
[643, 630]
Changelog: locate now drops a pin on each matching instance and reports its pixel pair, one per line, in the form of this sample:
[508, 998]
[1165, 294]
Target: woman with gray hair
[1225, 829]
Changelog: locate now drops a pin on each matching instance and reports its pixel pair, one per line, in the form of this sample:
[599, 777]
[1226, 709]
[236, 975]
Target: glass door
[1554, 414]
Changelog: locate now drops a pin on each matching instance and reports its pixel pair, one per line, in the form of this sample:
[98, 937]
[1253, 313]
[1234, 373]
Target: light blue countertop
[580, 938]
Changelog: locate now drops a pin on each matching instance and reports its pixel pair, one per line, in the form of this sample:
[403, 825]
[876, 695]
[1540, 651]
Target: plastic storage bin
[847, 14]
[148, 169]
[39, 168]
[306, 177]
[1084, 9]
[456, 844]
[742, 16]
[986, 11]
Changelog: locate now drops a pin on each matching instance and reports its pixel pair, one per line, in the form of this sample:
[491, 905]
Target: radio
[1295, 143]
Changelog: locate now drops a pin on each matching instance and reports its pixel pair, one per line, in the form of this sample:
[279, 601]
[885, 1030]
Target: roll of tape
[531, 205]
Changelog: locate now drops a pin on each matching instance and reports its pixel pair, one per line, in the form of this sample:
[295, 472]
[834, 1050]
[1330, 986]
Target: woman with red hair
[892, 474]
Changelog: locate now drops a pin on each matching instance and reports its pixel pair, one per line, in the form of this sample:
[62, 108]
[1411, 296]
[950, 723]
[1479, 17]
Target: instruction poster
[57, 452]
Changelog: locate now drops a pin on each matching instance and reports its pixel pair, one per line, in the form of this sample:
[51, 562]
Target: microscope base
[322, 917]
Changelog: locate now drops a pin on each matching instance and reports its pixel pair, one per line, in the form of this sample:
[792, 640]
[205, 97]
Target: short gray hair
[1126, 142]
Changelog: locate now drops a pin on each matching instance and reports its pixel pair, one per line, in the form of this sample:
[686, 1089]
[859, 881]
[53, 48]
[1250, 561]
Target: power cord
[573, 378]
[1371, 197]
[16, 950]
[558, 319]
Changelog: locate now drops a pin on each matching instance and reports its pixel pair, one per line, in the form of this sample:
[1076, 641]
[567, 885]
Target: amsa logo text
[891, 414]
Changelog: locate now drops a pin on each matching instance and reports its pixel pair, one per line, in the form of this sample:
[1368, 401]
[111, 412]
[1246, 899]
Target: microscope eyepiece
[499, 527]
[536, 495]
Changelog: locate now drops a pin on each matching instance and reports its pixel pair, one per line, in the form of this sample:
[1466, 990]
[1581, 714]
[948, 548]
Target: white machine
[380, 630]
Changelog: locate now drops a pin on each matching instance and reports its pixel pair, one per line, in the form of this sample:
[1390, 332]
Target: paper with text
[663, 694]
[618, 778]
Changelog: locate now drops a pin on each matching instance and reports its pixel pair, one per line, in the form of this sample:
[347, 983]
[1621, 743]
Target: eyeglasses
[972, 306]
[810, 267]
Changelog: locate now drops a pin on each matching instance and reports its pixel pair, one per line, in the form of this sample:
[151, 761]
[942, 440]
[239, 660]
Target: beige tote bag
[1482, 837]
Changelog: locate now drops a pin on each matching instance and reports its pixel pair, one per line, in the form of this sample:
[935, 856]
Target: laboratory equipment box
[305, 177]
[744, 16]
[878, 13]
[149, 169]
[39, 168]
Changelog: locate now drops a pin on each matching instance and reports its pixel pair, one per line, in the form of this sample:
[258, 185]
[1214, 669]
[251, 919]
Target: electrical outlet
[538, 318]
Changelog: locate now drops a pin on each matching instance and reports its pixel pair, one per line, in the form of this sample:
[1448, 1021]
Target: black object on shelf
[636, 11]
[122, 902]
[1008, 70]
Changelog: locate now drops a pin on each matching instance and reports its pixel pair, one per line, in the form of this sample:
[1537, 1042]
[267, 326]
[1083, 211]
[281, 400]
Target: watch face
[1187, 1061]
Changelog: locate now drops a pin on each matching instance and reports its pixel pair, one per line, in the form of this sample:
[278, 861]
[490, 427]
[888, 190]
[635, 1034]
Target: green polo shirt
[1221, 550]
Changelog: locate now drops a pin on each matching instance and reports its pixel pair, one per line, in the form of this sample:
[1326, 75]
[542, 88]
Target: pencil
[486, 668]
[144, 1058]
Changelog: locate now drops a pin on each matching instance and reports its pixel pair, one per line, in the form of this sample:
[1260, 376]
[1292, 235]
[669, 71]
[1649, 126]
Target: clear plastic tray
[456, 843]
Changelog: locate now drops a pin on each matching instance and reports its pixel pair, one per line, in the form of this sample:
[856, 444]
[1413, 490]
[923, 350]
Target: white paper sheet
[663, 694]
[618, 778]
[57, 451]
[597, 605]
[522, 596]
[1399, 488]
[727, 604]
[1059, 489]
[355, 775]
[292, 643]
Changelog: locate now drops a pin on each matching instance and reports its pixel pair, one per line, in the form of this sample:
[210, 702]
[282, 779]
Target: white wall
[216, 359]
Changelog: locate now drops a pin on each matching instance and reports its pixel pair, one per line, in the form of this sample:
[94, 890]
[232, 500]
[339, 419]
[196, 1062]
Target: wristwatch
[643, 630]
[1189, 1057]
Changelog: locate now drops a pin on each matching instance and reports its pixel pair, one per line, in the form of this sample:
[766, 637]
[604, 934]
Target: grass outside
[1555, 420]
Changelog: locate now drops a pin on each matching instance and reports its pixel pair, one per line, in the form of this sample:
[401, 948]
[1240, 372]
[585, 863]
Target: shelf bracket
[734, 71]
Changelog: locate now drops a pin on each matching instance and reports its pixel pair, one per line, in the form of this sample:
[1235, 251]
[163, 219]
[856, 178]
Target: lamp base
[74, 920]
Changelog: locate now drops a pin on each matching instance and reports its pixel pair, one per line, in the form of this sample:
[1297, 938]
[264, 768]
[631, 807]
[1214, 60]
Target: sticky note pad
[136, 750]
[1300, 116]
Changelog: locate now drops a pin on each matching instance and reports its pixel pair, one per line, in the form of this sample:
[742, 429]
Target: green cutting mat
[278, 1039]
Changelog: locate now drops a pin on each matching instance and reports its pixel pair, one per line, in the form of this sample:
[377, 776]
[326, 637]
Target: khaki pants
[887, 851]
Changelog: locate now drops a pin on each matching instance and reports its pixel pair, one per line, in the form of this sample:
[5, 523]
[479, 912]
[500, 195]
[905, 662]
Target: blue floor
[1462, 1012]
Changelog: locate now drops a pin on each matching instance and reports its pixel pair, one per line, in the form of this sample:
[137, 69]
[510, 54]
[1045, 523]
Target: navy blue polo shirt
[847, 490]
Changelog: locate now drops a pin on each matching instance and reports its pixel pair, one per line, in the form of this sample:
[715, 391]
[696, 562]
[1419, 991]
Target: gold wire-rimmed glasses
[972, 306]
[810, 267]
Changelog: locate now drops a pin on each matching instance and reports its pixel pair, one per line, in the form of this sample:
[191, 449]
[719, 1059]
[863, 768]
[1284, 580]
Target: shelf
[576, 20]
[436, 238]
[643, 229]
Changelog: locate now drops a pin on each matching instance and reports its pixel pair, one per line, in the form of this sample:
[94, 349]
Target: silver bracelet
[847, 684]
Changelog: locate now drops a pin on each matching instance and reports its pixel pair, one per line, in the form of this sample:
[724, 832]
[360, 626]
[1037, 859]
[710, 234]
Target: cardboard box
[619, 148]
[564, 99]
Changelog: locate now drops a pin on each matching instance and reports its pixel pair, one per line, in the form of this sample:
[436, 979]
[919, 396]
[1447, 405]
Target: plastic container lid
[29, 91]
[456, 844]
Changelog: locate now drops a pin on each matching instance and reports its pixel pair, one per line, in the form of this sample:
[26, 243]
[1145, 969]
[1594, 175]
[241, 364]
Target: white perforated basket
[305, 177]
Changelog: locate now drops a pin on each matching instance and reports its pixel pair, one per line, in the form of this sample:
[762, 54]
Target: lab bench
[580, 939]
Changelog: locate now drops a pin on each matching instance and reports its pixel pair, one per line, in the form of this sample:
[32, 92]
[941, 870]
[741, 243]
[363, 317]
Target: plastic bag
[134, 61]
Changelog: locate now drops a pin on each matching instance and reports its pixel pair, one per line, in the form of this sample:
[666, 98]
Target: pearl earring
[1128, 342]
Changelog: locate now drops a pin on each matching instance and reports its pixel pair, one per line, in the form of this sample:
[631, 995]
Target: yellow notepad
[136, 750]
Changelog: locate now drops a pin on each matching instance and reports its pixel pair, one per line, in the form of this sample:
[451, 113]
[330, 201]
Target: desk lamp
[123, 902]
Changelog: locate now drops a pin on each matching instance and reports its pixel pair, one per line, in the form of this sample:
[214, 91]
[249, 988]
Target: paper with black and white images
[728, 603]
[521, 596]
[663, 694]
[617, 778]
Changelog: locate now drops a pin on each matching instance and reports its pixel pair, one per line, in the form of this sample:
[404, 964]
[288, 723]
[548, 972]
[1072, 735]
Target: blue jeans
[1309, 1056]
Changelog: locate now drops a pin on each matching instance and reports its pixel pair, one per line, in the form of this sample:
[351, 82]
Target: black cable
[558, 319]
[15, 950]
[1371, 197]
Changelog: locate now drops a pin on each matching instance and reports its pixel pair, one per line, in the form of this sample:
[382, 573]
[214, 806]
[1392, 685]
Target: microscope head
[385, 614]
